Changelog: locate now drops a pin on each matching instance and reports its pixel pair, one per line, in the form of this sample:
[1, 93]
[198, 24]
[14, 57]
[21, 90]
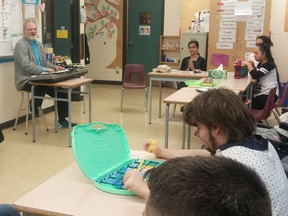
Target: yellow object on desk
[208, 82]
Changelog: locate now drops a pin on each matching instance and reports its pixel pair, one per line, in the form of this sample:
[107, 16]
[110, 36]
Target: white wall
[9, 97]
[279, 38]
[172, 17]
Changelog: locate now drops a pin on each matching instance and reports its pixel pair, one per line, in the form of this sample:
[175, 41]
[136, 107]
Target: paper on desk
[198, 83]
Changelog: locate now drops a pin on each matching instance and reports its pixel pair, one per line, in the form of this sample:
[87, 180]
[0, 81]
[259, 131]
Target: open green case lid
[99, 147]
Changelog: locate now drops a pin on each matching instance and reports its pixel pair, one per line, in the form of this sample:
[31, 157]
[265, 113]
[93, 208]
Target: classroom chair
[263, 115]
[280, 102]
[130, 71]
[21, 108]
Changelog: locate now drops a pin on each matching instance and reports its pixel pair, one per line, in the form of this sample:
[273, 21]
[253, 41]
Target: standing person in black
[192, 62]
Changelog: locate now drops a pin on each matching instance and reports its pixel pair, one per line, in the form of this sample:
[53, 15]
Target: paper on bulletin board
[225, 39]
[251, 36]
[255, 23]
[29, 11]
[250, 44]
[230, 18]
[227, 32]
[228, 46]
[243, 9]
[218, 59]
[231, 25]
[62, 34]
[254, 30]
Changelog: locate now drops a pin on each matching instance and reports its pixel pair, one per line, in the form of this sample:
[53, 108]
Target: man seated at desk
[30, 60]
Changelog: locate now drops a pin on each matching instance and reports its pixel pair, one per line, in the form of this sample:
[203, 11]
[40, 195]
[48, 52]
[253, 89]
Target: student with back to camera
[227, 129]
[266, 73]
[30, 60]
[206, 186]
[192, 62]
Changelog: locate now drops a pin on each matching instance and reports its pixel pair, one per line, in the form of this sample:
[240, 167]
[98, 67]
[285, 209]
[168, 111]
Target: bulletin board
[230, 38]
[12, 12]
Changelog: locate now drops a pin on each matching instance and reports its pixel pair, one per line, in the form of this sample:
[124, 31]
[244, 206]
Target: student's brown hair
[221, 108]
[206, 186]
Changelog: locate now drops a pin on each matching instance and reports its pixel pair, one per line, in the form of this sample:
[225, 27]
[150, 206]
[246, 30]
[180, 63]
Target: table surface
[70, 83]
[236, 84]
[71, 193]
[180, 74]
[185, 95]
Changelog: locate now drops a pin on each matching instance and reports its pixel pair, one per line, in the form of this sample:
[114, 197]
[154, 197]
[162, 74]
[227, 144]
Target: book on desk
[58, 76]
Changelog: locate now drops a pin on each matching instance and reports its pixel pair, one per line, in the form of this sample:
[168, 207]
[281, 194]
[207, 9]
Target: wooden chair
[263, 115]
[280, 102]
[129, 83]
[26, 109]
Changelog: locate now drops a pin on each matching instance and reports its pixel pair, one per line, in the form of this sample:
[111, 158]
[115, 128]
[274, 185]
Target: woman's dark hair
[196, 43]
[265, 48]
[266, 40]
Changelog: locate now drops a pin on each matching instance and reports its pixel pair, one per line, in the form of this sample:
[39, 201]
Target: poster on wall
[144, 30]
[286, 17]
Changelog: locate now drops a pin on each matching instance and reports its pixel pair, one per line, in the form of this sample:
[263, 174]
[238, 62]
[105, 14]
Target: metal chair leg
[276, 115]
[146, 99]
[40, 110]
[27, 109]
[19, 111]
[121, 98]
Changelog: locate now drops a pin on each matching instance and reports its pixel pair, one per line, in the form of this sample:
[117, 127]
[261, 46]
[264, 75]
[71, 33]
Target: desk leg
[183, 135]
[166, 124]
[89, 87]
[69, 115]
[33, 113]
[160, 98]
[56, 110]
[150, 101]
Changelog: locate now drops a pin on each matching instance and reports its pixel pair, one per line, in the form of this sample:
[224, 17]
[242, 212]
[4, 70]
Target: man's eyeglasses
[31, 29]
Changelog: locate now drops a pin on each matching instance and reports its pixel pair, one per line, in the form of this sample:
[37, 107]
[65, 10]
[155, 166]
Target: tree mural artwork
[104, 19]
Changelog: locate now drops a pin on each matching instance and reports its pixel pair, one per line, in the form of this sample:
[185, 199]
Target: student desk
[69, 85]
[71, 193]
[182, 96]
[173, 76]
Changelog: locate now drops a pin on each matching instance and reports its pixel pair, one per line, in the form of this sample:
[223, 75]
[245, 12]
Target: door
[145, 26]
[62, 20]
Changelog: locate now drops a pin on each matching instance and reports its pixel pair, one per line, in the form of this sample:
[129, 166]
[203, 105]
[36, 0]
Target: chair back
[281, 100]
[131, 69]
[269, 105]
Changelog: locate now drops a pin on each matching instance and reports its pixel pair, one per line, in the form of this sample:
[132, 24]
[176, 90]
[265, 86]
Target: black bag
[280, 147]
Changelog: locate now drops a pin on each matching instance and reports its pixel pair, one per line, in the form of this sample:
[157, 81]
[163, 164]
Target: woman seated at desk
[266, 73]
[192, 62]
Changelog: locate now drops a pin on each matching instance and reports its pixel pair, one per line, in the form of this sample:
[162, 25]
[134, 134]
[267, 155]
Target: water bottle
[163, 57]
[237, 69]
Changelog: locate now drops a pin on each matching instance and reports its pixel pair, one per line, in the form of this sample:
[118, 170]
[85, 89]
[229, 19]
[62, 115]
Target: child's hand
[151, 147]
[134, 181]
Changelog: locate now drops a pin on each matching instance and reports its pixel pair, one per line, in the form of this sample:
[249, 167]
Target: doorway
[145, 20]
[62, 15]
